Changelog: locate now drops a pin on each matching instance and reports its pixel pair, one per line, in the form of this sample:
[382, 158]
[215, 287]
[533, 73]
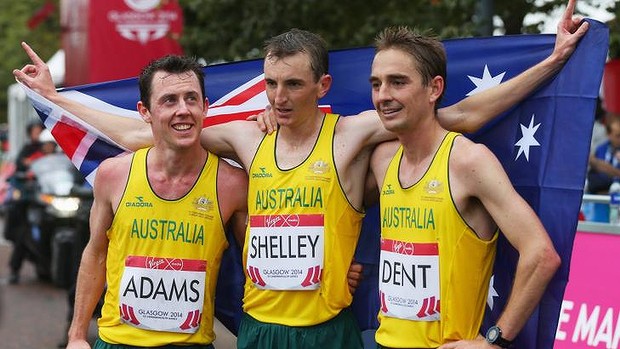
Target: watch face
[492, 334]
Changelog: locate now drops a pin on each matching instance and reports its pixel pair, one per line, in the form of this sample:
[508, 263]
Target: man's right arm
[130, 133]
[92, 272]
[90, 285]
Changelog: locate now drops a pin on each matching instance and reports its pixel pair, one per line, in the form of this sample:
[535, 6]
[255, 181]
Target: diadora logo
[434, 186]
[203, 204]
[138, 203]
[262, 174]
[388, 190]
[319, 167]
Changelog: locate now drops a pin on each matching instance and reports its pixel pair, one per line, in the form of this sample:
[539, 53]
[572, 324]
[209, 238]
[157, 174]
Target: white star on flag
[527, 139]
[492, 293]
[486, 82]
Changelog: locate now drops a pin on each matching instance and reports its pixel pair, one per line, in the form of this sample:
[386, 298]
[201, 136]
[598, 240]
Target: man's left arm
[475, 111]
[538, 259]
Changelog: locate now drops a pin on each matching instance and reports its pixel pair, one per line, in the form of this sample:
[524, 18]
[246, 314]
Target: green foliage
[230, 30]
[614, 32]
[13, 30]
[227, 30]
[235, 29]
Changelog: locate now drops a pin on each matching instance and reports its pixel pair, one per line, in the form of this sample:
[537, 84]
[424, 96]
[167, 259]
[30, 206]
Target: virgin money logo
[142, 5]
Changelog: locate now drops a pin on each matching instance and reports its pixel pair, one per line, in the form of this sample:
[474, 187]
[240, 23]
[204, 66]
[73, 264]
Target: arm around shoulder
[366, 128]
[237, 140]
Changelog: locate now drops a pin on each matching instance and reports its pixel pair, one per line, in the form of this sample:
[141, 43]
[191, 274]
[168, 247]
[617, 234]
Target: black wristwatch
[494, 336]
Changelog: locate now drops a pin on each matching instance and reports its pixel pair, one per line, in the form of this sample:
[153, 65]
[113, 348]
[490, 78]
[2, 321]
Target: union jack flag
[531, 140]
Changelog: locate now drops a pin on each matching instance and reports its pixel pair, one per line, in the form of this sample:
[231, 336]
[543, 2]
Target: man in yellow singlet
[306, 187]
[463, 196]
[158, 223]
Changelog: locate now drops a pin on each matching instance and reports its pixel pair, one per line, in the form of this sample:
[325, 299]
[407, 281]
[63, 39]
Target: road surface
[33, 314]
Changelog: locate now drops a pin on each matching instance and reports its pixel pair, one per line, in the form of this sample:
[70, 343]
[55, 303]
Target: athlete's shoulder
[365, 117]
[365, 127]
[232, 186]
[114, 170]
[231, 175]
[467, 152]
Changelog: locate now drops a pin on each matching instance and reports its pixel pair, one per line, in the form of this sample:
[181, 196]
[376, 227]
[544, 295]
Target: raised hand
[36, 75]
[569, 31]
[265, 120]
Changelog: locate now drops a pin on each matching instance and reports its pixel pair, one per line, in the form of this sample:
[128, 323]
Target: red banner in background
[590, 313]
[611, 86]
[114, 39]
[43, 13]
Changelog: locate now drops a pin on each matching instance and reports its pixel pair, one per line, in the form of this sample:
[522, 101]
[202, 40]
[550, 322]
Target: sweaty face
[177, 109]
[397, 90]
[291, 89]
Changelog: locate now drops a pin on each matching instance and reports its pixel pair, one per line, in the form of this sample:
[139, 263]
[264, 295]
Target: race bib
[409, 280]
[285, 252]
[162, 294]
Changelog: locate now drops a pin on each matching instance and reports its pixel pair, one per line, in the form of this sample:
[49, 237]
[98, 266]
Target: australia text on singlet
[164, 229]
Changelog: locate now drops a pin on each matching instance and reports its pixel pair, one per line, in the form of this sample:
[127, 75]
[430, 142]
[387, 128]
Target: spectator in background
[16, 212]
[31, 150]
[605, 161]
[599, 134]
[4, 138]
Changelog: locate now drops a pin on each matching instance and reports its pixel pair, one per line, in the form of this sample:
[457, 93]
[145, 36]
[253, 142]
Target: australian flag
[543, 144]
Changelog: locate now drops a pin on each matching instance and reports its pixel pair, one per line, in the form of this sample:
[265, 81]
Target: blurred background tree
[14, 28]
[614, 33]
[235, 29]
[226, 30]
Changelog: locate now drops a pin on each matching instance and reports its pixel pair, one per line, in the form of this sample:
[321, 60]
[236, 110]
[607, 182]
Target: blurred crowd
[604, 164]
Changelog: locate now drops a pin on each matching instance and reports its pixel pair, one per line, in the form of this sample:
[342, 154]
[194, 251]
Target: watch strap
[503, 342]
[499, 340]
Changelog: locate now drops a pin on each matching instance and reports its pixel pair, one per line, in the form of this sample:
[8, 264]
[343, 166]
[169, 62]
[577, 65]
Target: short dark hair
[295, 41]
[427, 51]
[172, 64]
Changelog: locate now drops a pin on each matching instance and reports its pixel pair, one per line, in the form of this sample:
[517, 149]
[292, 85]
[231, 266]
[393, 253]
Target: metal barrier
[593, 202]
